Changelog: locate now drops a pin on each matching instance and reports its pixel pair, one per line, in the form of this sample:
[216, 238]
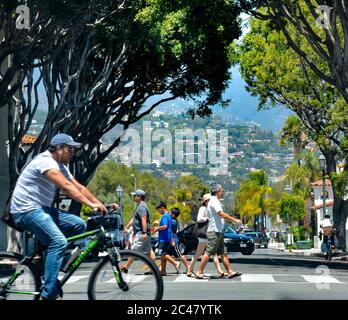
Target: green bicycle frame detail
[12, 280]
[82, 255]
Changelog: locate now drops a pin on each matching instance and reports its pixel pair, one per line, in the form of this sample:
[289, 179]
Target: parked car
[234, 242]
[243, 229]
[259, 238]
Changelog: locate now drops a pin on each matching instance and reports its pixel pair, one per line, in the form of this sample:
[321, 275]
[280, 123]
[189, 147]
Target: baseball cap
[138, 192]
[62, 138]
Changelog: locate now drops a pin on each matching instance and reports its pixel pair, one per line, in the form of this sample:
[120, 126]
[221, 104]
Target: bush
[299, 233]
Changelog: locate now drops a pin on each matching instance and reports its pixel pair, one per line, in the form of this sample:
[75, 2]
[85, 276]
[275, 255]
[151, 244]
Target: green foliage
[299, 233]
[277, 75]
[291, 208]
[340, 183]
[253, 195]
[187, 195]
[109, 175]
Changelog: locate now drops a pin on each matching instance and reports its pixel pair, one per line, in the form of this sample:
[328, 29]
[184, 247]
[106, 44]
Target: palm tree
[294, 132]
[252, 197]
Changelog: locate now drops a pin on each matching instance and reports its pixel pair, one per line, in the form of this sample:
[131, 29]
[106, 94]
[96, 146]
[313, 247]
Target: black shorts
[174, 251]
[164, 248]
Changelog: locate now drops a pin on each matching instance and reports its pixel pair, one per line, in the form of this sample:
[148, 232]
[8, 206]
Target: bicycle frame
[83, 255]
[72, 268]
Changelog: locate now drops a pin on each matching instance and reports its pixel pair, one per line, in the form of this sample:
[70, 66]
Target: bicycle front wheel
[18, 280]
[142, 281]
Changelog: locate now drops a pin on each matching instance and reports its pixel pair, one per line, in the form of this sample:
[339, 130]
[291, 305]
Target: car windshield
[250, 234]
[229, 229]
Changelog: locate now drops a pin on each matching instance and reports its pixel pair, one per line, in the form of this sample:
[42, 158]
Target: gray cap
[62, 138]
[138, 192]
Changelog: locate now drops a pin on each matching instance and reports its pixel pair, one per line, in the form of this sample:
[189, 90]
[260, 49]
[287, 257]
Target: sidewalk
[338, 256]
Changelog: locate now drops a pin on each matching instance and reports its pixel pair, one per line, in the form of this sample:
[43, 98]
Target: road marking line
[72, 279]
[185, 278]
[320, 279]
[129, 278]
[257, 278]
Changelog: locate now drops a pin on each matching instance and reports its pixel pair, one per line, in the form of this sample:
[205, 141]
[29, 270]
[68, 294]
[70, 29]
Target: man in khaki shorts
[141, 228]
[215, 233]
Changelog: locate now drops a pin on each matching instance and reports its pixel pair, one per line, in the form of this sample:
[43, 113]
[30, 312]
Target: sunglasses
[69, 148]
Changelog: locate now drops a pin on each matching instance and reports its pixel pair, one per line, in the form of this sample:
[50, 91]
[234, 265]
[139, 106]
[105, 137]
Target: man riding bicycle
[327, 229]
[32, 205]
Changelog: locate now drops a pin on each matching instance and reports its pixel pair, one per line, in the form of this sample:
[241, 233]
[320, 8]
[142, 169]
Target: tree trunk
[340, 213]
[4, 175]
[340, 208]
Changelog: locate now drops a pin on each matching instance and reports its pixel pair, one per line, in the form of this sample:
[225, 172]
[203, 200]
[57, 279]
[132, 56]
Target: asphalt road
[266, 275]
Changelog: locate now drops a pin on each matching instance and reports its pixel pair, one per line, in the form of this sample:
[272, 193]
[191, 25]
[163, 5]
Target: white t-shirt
[33, 189]
[202, 215]
[216, 223]
[326, 223]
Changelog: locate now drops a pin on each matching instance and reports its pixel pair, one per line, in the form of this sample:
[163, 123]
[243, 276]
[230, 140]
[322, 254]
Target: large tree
[123, 56]
[323, 24]
[278, 75]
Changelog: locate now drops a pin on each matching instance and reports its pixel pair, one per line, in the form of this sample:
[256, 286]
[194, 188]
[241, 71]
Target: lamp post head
[119, 192]
[322, 162]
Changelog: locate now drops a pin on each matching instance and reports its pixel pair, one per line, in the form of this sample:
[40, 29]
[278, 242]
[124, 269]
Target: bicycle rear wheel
[26, 284]
[143, 279]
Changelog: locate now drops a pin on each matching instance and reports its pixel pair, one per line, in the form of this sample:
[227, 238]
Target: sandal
[222, 275]
[190, 273]
[200, 276]
[233, 275]
[177, 269]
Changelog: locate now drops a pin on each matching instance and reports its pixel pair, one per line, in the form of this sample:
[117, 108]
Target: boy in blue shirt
[165, 238]
[175, 251]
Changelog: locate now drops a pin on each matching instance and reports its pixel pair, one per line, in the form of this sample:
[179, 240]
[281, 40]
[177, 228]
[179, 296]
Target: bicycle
[20, 277]
[329, 247]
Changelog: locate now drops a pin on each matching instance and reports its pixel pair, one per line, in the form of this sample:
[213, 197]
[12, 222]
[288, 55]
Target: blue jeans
[51, 226]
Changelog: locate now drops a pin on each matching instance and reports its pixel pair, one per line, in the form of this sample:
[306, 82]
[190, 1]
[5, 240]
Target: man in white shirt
[32, 205]
[215, 234]
[327, 228]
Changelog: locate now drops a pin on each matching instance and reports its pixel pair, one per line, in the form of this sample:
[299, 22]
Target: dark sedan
[259, 238]
[234, 242]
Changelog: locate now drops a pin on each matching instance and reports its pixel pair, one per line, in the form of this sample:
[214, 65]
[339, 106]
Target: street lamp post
[119, 193]
[322, 163]
[135, 181]
[288, 190]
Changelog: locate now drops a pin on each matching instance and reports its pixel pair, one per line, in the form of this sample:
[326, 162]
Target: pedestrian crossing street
[244, 278]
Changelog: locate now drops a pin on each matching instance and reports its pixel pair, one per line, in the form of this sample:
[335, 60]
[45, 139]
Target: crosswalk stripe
[320, 279]
[245, 278]
[73, 279]
[130, 278]
[257, 278]
[185, 278]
